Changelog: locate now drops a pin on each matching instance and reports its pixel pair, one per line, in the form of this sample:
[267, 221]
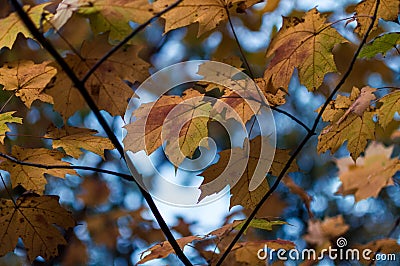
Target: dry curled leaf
[32, 218]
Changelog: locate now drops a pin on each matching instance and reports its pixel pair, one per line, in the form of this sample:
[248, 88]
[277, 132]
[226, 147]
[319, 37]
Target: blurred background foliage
[114, 224]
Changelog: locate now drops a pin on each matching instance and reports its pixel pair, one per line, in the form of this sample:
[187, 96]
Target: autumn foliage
[68, 70]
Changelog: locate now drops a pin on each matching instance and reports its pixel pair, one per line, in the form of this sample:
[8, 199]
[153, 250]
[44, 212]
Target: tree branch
[304, 141]
[75, 167]
[126, 39]
[92, 105]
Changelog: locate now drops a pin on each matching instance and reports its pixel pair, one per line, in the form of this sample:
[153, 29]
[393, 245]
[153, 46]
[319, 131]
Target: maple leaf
[164, 249]
[305, 43]
[208, 13]
[390, 106]
[387, 10]
[7, 118]
[159, 121]
[238, 169]
[369, 174]
[114, 15]
[320, 233]
[380, 45]
[32, 218]
[351, 121]
[106, 85]
[12, 25]
[236, 106]
[275, 97]
[260, 223]
[28, 80]
[32, 178]
[73, 139]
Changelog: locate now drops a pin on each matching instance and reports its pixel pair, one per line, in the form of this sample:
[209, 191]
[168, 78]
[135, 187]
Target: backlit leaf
[380, 45]
[114, 15]
[350, 122]
[32, 178]
[390, 106]
[387, 10]
[304, 43]
[12, 25]
[208, 13]
[73, 139]
[7, 118]
[106, 85]
[32, 218]
[28, 80]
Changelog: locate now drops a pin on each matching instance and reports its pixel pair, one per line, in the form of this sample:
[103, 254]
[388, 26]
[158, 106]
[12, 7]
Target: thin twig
[75, 167]
[298, 121]
[303, 143]
[126, 39]
[92, 105]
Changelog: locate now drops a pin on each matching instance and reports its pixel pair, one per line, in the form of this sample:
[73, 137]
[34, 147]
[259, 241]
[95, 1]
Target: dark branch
[126, 39]
[304, 141]
[76, 167]
[92, 105]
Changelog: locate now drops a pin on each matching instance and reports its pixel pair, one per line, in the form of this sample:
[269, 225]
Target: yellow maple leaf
[106, 85]
[208, 13]
[114, 15]
[28, 80]
[73, 139]
[32, 218]
[387, 10]
[32, 178]
[390, 105]
[12, 25]
[369, 174]
[305, 43]
[350, 121]
[7, 118]
[181, 121]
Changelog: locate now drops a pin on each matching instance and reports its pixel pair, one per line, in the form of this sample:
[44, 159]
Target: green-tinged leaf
[390, 106]
[114, 15]
[7, 118]
[261, 223]
[380, 45]
[12, 25]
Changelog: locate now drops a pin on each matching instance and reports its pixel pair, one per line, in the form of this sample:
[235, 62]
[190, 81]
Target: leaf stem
[303, 142]
[85, 94]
